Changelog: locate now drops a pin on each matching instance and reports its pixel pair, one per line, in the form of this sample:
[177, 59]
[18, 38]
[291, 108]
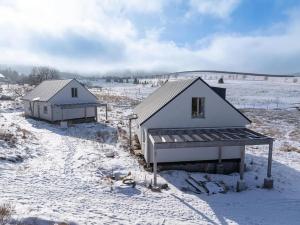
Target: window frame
[45, 109]
[74, 92]
[200, 111]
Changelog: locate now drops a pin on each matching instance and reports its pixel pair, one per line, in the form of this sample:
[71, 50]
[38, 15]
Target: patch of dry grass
[286, 147]
[6, 212]
[116, 99]
[8, 137]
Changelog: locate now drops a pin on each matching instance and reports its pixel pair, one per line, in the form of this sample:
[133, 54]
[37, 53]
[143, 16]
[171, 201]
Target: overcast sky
[166, 35]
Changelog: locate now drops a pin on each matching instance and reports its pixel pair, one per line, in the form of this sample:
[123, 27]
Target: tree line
[37, 75]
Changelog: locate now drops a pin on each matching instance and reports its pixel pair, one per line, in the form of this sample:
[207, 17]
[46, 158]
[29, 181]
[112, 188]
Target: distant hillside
[67, 75]
[234, 73]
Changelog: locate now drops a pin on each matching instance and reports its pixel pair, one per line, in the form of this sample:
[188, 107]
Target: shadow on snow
[255, 205]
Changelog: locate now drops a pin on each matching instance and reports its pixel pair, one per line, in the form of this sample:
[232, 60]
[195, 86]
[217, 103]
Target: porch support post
[96, 114]
[154, 167]
[52, 116]
[242, 163]
[130, 141]
[241, 185]
[268, 182]
[220, 155]
[220, 166]
[106, 112]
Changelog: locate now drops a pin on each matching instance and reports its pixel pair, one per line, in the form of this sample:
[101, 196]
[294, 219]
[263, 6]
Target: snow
[63, 175]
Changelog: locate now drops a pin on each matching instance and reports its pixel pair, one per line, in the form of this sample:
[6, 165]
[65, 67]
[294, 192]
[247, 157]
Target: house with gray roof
[61, 100]
[190, 121]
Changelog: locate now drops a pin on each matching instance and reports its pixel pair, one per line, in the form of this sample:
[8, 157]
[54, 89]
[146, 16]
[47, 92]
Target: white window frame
[74, 92]
[200, 108]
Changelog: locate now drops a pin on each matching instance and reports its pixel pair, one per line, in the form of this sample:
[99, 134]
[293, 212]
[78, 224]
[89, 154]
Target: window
[45, 110]
[198, 107]
[74, 93]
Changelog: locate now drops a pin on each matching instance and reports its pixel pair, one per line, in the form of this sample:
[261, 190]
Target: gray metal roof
[46, 90]
[165, 94]
[207, 137]
[160, 98]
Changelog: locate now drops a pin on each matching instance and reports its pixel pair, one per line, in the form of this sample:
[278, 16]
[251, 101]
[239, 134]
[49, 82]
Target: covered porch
[85, 106]
[183, 138]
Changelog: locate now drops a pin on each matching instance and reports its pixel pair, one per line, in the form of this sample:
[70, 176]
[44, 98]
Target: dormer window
[74, 92]
[198, 107]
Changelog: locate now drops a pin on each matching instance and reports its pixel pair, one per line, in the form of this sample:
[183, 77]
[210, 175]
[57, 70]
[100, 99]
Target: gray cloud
[73, 45]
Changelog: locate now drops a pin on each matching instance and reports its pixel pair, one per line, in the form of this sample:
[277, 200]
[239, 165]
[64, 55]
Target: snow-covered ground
[63, 172]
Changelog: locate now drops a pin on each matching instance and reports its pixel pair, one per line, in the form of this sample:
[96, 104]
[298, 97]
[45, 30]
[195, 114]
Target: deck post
[220, 154]
[268, 182]
[106, 112]
[154, 167]
[96, 114]
[241, 183]
[51, 106]
[242, 163]
[130, 141]
[220, 166]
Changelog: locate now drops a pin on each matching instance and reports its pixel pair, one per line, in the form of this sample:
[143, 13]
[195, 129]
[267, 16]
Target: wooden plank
[207, 136]
[227, 136]
[195, 185]
[217, 136]
[177, 138]
[187, 137]
[197, 137]
[220, 133]
[156, 138]
[167, 138]
[204, 137]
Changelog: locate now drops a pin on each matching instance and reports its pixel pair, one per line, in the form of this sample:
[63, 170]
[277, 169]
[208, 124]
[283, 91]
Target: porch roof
[79, 105]
[206, 137]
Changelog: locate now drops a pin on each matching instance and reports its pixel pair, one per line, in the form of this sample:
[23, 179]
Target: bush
[6, 212]
[221, 80]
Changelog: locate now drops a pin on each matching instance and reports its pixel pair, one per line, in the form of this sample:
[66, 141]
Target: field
[53, 175]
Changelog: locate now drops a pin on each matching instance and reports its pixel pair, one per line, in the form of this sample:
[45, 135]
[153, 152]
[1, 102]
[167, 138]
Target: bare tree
[41, 73]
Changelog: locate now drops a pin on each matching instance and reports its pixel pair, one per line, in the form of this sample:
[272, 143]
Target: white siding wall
[27, 108]
[178, 113]
[64, 96]
[75, 113]
[38, 109]
[193, 154]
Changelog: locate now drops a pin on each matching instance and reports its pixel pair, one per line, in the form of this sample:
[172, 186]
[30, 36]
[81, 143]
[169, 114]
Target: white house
[2, 78]
[187, 120]
[61, 100]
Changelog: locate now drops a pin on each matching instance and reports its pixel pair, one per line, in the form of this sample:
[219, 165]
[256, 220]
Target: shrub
[6, 212]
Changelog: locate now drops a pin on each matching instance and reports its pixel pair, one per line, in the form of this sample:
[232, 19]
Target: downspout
[132, 117]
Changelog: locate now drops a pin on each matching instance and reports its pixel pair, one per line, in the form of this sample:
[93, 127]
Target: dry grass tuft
[9, 138]
[286, 147]
[116, 99]
[6, 212]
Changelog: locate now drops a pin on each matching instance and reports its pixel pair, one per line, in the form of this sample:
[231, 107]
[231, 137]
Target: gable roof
[46, 90]
[164, 95]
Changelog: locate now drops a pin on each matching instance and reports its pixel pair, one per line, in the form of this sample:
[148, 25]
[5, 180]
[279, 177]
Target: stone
[268, 183]
[240, 186]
